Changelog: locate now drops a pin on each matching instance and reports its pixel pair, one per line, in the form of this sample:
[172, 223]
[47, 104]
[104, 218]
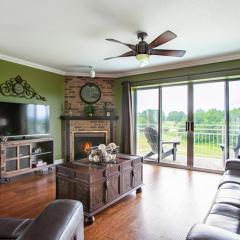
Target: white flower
[108, 157]
[102, 147]
[112, 145]
[90, 157]
[93, 152]
[104, 153]
[96, 158]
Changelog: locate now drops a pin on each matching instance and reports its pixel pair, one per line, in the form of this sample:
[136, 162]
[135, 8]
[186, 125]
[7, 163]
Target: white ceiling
[63, 34]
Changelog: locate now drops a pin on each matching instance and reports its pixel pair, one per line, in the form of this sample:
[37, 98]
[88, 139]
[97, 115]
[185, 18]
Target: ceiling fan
[143, 50]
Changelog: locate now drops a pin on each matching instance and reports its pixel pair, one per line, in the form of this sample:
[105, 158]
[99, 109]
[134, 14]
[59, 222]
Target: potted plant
[89, 110]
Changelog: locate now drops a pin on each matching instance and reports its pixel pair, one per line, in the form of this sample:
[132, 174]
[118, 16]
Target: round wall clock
[90, 93]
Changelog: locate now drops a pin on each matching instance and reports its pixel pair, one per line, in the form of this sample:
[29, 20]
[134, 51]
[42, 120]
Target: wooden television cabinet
[18, 156]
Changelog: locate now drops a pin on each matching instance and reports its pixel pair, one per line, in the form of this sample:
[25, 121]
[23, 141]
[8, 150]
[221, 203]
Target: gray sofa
[223, 220]
[61, 220]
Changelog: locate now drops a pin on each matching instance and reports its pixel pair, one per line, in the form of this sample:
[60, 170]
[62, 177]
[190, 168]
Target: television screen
[23, 119]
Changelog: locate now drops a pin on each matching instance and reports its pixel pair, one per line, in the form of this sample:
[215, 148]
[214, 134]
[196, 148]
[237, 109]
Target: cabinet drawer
[138, 161]
[114, 169]
[127, 180]
[113, 187]
[65, 188]
[97, 195]
[126, 165]
[81, 193]
[67, 173]
[137, 175]
[97, 176]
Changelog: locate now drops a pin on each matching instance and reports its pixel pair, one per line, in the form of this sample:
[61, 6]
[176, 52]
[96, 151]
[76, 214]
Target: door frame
[190, 134]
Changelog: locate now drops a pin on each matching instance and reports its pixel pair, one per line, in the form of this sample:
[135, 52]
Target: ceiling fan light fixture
[143, 50]
[143, 59]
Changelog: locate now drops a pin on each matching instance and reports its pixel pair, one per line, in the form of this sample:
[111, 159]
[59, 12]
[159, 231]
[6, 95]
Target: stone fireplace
[84, 140]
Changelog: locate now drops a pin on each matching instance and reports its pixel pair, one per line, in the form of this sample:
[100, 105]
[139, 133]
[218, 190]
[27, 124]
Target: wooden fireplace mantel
[66, 119]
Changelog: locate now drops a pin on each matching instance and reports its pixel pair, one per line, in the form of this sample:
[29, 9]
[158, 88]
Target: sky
[206, 96]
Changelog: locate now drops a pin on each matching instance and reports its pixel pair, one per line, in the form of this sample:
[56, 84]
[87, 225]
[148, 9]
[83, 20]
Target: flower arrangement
[103, 153]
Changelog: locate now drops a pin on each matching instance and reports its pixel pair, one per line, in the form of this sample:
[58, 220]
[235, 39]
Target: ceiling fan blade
[163, 38]
[133, 47]
[127, 54]
[165, 52]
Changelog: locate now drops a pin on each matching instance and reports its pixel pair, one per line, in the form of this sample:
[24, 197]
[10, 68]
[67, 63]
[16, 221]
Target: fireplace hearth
[84, 140]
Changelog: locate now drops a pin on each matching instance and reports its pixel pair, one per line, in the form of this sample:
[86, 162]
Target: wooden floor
[171, 201]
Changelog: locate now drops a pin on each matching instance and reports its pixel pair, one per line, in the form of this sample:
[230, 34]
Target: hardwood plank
[172, 200]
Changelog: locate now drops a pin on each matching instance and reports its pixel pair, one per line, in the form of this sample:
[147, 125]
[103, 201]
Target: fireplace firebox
[85, 140]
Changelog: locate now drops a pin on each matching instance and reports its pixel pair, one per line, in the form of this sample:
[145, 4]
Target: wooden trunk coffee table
[98, 186]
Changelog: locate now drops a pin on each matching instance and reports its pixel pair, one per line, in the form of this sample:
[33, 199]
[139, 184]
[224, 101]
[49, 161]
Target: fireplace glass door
[83, 141]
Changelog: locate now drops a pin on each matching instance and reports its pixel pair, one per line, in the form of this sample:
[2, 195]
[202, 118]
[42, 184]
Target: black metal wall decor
[17, 87]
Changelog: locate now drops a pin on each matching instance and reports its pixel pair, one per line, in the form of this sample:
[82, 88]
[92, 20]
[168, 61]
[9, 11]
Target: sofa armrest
[203, 231]
[61, 220]
[232, 164]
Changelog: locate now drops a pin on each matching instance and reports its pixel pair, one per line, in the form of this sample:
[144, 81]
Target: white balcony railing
[207, 138]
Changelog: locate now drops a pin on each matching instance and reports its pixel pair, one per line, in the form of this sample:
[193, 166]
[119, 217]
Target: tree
[176, 116]
[149, 116]
[235, 115]
[214, 116]
[199, 116]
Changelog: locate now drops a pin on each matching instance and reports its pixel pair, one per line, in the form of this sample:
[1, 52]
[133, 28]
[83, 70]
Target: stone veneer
[72, 89]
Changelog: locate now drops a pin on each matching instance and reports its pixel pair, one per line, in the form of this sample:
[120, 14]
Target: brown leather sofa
[223, 220]
[61, 220]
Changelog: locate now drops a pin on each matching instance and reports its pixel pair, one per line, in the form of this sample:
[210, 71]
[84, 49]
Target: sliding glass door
[194, 125]
[160, 125]
[174, 114]
[147, 123]
[209, 125]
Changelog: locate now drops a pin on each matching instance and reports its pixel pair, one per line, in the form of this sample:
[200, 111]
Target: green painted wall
[48, 85]
[221, 69]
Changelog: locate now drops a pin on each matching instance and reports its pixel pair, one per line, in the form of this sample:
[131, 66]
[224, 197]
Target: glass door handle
[192, 127]
[189, 127]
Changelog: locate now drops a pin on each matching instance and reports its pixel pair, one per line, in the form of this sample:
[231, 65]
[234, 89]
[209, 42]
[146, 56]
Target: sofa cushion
[228, 185]
[230, 176]
[225, 216]
[225, 210]
[228, 196]
[11, 228]
[205, 232]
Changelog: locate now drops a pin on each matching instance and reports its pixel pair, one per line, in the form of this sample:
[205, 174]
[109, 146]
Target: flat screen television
[18, 119]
